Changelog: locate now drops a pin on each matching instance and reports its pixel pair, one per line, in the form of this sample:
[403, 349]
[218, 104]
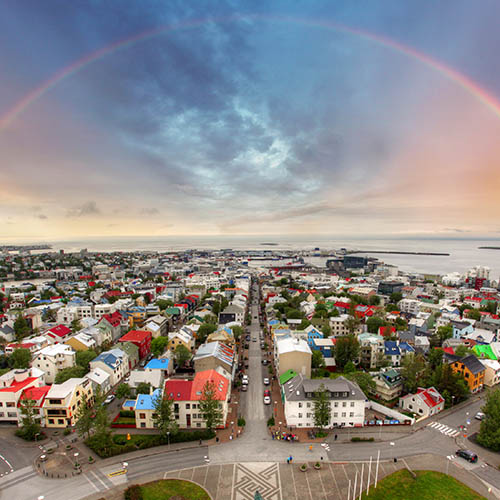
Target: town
[112, 353]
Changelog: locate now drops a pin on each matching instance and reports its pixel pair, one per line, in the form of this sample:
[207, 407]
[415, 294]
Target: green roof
[484, 351]
[172, 310]
[288, 375]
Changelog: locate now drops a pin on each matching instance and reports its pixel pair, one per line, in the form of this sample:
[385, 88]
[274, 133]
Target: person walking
[288, 460]
[291, 458]
[310, 447]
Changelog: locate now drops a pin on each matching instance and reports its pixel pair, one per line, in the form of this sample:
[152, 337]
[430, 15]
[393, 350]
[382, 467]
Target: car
[247, 338]
[246, 346]
[267, 400]
[265, 362]
[245, 380]
[254, 340]
[109, 399]
[468, 455]
[479, 415]
[244, 388]
[266, 381]
[267, 392]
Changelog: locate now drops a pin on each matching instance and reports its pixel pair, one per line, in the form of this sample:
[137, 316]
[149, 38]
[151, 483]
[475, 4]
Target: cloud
[41, 216]
[149, 211]
[88, 208]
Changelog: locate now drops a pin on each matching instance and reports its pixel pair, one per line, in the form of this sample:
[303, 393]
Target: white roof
[288, 344]
[55, 349]
[64, 389]
[491, 363]
[98, 375]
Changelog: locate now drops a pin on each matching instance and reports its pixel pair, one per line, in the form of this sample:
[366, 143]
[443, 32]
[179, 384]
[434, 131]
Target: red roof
[191, 390]
[36, 393]
[430, 397]
[135, 336]
[18, 386]
[448, 350]
[178, 390]
[386, 331]
[60, 330]
[113, 319]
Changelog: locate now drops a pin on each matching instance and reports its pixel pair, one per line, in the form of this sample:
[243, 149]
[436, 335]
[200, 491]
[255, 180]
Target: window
[10, 405]
[300, 415]
[198, 424]
[188, 406]
[60, 421]
[351, 414]
[344, 404]
[309, 405]
[352, 404]
[142, 415]
[143, 424]
[300, 405]
[308, 415]
[51, 420]
[335, 415]
[336, 404]
[343, 414]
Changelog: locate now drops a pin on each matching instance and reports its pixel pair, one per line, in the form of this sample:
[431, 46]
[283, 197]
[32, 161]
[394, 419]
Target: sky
[193, 117]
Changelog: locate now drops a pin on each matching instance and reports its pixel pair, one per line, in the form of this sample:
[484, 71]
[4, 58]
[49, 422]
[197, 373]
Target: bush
[127, 414]
[133, 492]
[241, 422]
[357, 439]
[67, 432]
[270, 422]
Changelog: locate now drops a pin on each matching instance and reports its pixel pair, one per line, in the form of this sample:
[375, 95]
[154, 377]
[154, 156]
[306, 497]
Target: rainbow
[470, 86]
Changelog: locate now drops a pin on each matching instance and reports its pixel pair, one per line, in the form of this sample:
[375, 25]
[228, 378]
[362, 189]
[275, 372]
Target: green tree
[412, 371]
[210, 319]
[374, 323]
[182, 355]
[489, 434]
[317, 361]
[463, 350]
[364, 381]
[321, 407]
[444, 332]
[85, 416]
[143, 388]
[452, 386]
[204, 331]
[83, 359]
[327, 331]
[21, 327]
[374, 300]
[294, 314]
[164, 417]
[334, 313]
[396, 297]
[238, 331]
[349, 367]
[435, 358]
[158, 345]
[76, 326]
[304, 324]
[346, 349]
[210, 406]
[163, 304]
[30, 424]
[123, 391]
[67, 373]
[20, 358]
[473, 314]
[352, 323]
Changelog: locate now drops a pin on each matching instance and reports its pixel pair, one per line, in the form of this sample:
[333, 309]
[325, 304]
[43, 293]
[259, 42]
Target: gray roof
[298, 388]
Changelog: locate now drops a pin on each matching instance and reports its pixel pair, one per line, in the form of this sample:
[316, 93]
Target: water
[464, 252]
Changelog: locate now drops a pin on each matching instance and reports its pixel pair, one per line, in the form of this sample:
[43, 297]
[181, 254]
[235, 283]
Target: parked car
[109, 399]
[267, 393]
[479, 415]
[245, 380]
[266, 381]
[244, 387]
[265, 362]
[468, 455]
[267, 400]
[254, 339]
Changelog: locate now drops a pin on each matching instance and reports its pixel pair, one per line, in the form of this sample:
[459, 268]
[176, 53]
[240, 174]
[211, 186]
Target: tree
[334, 313]
[412, 371]
[374, 323]
[20, 358]
[21, 327]
[346, 349]
[374, 300]
[123, 391]
[452, 386]
[435, 358]
[30, 425]
[158, 345]
[317, 361]
[463, 350]
[304, 324]
[182, 355]
[327, 331]
[83, 359]
[396, 297]
[76, 326]
[489, 434]
[473, 314]
[85, 416]
[349, 367]
[237, 332]
[211, 319]
[204, 331]
[143, 388]
[444, 332]
[321, 407]
[351, 323]
[163, 304]
[164, 417]
[210, 405]
[67, 373]
[364, 381]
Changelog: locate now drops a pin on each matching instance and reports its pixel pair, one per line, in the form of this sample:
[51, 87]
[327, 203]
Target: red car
[267, 393]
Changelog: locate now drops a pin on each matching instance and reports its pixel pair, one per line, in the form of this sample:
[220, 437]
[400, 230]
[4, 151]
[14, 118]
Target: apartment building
[54, 358]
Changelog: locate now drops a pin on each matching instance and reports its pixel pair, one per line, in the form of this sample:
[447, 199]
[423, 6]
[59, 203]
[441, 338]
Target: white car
[245, 380]
[267, 400]
[266, 381]
[109, 399]
[479, 415]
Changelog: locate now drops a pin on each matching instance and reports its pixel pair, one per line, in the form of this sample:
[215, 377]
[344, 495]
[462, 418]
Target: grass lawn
[429, 485]
[161, 490]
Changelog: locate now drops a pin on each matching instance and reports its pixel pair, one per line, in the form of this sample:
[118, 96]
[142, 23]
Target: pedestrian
[200, 442]
[310, 447]
[272, 435]
[230, 438]
[291, 458]
[335, 437]
[288, 460]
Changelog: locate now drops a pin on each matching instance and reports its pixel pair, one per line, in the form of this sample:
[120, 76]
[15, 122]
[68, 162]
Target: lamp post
[77, 465]
[125, 467]
[448, 464]
[168, 438]
[280, 426]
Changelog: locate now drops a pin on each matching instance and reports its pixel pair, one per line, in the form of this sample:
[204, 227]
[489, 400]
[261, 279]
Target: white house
[424, 403]
[54, 358]
[347, 401]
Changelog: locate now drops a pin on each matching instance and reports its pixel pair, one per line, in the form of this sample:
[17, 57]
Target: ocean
[464, 252]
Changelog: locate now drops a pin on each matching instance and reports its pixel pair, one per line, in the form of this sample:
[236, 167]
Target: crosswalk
[444, 429]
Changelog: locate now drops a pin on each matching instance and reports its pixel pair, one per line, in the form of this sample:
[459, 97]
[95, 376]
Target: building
[389, 287]
[372, 350]
[388, 384]
[338, 325]
[409, 306]
[347, 402]
[54, 358]
[132, 352]
[141, 338]
[114, 362]
[472, 370]
[292, 354]
[62, 402]
[213, 355]
[232, 313]
[181, 337]
[424, 403]
[461, 328]
[58, 333]
[491, 372]
[112, 323]
[186, 395]
[145, 409]
[392, 352]
[100, 380]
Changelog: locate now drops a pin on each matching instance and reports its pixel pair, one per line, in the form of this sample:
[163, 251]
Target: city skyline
[157, 120]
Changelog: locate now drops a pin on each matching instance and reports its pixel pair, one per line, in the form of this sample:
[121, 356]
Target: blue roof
[391, 348]
[107, 358]
[273, 322]
[158, 364]
[146, 401]
[404, 346]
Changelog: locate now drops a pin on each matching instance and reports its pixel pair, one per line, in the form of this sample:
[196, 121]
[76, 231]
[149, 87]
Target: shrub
[133, 492]
[241, 422]
[303, 467]
[127, 414]
[357, 439]
[67, 432]
[270, 422]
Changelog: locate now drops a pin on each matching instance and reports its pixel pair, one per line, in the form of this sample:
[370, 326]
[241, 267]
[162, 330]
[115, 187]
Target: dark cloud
[87, 208]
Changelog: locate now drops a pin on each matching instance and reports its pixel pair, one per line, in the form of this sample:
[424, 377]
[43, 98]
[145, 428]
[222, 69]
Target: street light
[168, 438]
[280, 426]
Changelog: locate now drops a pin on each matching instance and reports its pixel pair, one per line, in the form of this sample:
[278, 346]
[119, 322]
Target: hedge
[144, 441]
[133, 492]
[361, 439]
[127, 414]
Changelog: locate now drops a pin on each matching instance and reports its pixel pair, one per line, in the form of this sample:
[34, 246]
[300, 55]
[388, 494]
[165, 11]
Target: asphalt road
[14, 453]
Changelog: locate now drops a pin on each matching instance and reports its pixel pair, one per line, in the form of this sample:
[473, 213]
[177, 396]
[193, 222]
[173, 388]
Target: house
[492, 372]
[112, 323]
[114, 362]
[162, 322]
[388, 384]
[141, 338]
[347, 401]
[165, 365]
[461, 328]
[132, 352]
[422, 344]
[7, 334]
[327, 348]
[145, 409]
[152, 327]
[82, 341]
[472, 370]
[232, 313]
[101, 380]
[12, 385]
[186, 395]
[292, 354]
[210, 356]
[222, 334]
[180, 338]
[424, 403]
[392, 352]
[38, 395]
[58, 333]
[481, 335]
[62, 402]
[484, 352]
[54, 358]
[372, 350]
